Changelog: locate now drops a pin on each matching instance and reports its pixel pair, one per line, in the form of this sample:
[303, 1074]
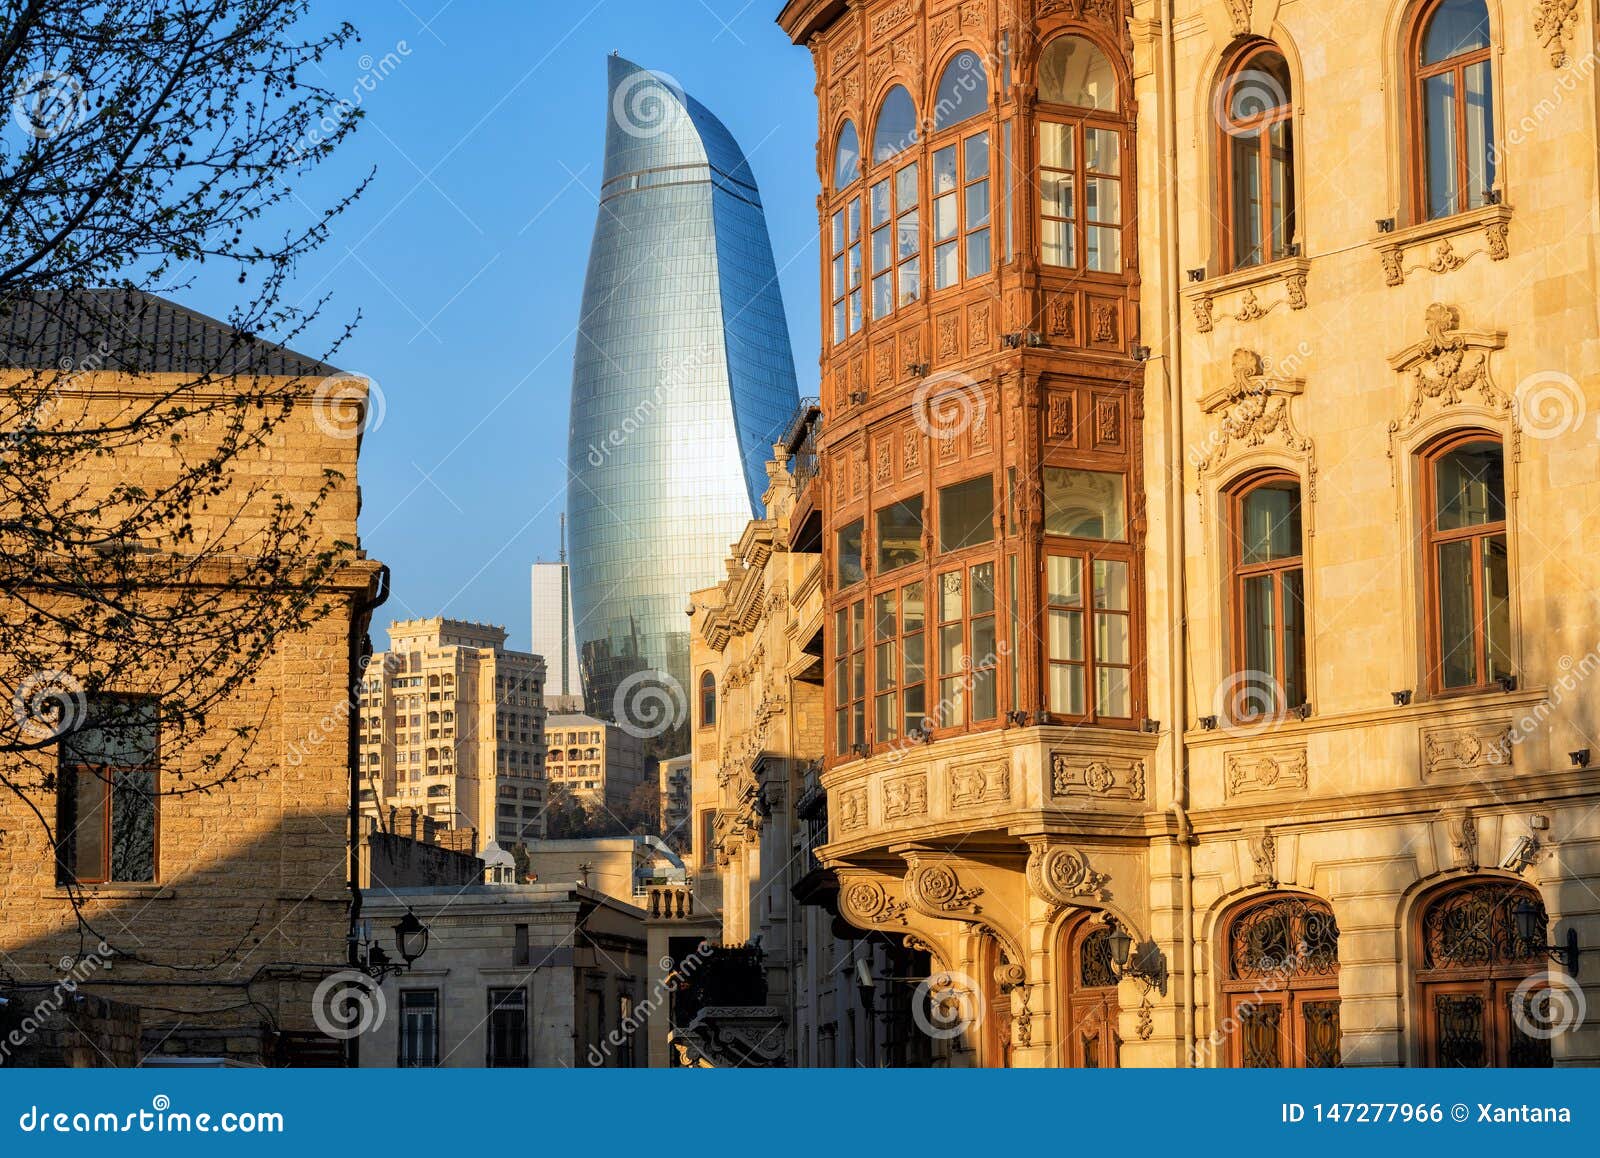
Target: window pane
[1246, 185]
[977, 205]
[849, 554]
[838, 231]
[133, 825]
[983, 641]
[944, 170]
[1057, 247]
[1102, 151]
[978, 257]
[886, 718]
[909, 239]
[1055, 145]
[1110, 585]
[1480, 134]
[1084, 504]
[89, 852]
[119, 733]
[880, 202]
[847, 158]
[1072, 71]
[910, 281]
[963, 91]
[1497, 606]
[952, 649]
[1102, 200]
[1470, 486]
[1294, 639]
[1111, 639]
[1066, 635]
[1438, 114]
[950, 601]
[911, 608]
[1271, 523]
[916, 696]
[905, 188]
[966, 513]
[1064, 580]
[855, 311]
[945, 217]
[883, 295]
[1458, 653]
[900, 534]
[982, 591]
[882, 249]
[1066, 690]
[896, 129]
[983, 697]
[946, 266]
[883, 616]
[1457, 26]
[883, 667]
[1112, 697]
[1282, 164]
[1103, 248]
[1055, 195]
[976, 148]
[1260, 611]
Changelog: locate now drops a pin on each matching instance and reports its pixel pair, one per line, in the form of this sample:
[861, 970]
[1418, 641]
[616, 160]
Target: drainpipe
[1178, 642]
[360, 651]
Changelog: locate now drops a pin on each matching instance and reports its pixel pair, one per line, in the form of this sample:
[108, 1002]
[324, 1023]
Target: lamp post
[410, 942]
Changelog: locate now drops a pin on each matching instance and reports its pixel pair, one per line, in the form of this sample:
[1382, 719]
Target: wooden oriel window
[1089, 623]
[899, 662]
[968, 646]
[962, 248]
[849, 677]
[1281, 986]
[1256, 162]
[1089, 1035]
[107, 821]
[894, 205]
[1268, 596]
[1081, 128]
[1475, 1002]
[1466, 565]
[1452, 107]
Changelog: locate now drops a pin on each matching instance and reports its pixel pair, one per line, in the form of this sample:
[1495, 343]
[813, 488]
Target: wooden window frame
[948, 566]
[1239, 572]
[1419, 75]
[957, 137]
[708, 700]
[67, 845]
[849, 654]
[839, 249]
[1079, 120]
[909, 576]
[1231, 130]
[895, 271]
[1478, 534]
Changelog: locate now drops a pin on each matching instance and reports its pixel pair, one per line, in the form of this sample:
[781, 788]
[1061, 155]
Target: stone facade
[1028, 840]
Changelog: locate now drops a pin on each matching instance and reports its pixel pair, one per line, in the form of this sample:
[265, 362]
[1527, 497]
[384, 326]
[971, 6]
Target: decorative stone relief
[1267, 771]
[1239, 15]
[1463, 830]
[1264, 855]
[865, 903]
[1448, 365]
[1465, 751]
[1084, 775]
[1255, 408]
[972, 785]
[1062, 875]
[1440, 255]
[1554, 24]
[936, 890]
[851, 809]
[905, 796]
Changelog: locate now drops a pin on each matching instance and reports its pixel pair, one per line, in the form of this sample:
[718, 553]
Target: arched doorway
[1281, 984]
[1088, 997]
[1472, 977]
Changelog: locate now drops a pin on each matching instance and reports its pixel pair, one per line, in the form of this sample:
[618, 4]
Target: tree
[147, 140]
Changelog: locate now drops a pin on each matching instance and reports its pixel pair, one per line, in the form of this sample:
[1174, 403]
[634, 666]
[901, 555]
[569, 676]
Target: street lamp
[1531, 931]
[410, 942]
[410, 937]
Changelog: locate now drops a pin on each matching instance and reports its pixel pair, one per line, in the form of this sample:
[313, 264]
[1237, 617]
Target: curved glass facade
[682, 380]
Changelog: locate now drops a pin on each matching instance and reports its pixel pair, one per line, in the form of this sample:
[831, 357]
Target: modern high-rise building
[553, 635]
[682, 380]
[452, 725]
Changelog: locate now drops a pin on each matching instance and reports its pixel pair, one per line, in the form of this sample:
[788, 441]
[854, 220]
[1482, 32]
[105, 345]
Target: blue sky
[466, 257]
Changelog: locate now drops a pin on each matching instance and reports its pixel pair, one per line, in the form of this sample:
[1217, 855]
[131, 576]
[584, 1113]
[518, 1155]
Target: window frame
[1078, 120]
[957, 136]
[402, 1038]
[1229, 132]
[1477, 535]
[848, 654]
[72, 772]
[1418, 75]
[1239, 572]
[961, 564]
[708, 700]
[518, 1059]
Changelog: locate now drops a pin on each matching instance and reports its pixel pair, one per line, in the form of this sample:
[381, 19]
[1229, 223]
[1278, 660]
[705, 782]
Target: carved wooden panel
[1108, 424]
[947, 337]
[1105, 323]
[1061, 421]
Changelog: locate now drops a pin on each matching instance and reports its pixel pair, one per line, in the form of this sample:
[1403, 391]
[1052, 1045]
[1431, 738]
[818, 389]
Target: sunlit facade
[682, 380]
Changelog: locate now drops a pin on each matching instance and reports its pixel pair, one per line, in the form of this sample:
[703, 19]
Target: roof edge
[803, 19]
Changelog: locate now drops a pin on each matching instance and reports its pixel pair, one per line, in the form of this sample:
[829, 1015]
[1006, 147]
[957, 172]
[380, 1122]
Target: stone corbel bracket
[1061, 875]
[935, 889]
[1240, 295]
[1432, 247]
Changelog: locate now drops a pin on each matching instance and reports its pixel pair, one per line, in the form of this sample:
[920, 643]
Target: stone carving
[1448, 364]
[1063, 875]
[1254, 408]
[1264, 854]
[936, 890]
[1465, 751]
[905, 796]
[1077, 775]
[1249, 308]
[1239, 15]
[1147, 1021]
[865, 903]
[1495, 232]
[1463, 830]
[1021, 1016]
[1267, 771]
[1554, 25]
[1393, 270]
[851, 809]
[1202, 314]
[1295, 286]
[1444, 257]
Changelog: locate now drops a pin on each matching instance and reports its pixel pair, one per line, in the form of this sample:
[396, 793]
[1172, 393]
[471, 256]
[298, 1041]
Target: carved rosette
[865, 904]
[1473, 750]
[1096, 776]
[935, 890]
[1062, 875]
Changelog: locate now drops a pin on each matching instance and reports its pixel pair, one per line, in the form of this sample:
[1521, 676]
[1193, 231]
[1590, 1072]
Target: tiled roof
[135, 332]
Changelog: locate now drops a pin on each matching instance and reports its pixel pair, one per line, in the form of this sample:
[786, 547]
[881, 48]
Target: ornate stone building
[1208, 438]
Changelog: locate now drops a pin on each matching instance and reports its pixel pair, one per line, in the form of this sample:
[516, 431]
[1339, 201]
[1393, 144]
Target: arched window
[1089, 1001]
[845, 241]
[1467, 570]
[1080, 158]
[1452, 110]
[1282, 984]
[896, 248]
[1268, 597]
[708, 700]
[961, 192]
[1475, 1000]
[1257, 161]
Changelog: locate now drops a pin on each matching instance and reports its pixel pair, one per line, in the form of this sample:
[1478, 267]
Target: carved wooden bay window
[1281, 985]
[1082, 133]
[960, 169]
[895, 207]
[1475, 1001]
